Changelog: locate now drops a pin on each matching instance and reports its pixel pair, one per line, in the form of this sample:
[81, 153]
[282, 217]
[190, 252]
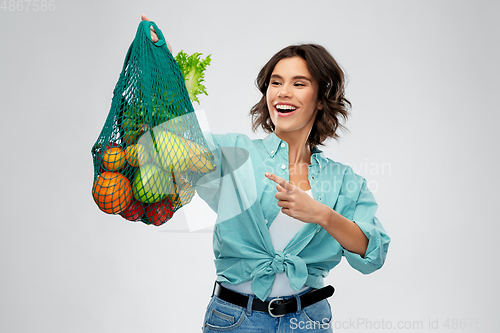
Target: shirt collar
[319, 157]
[272, 142]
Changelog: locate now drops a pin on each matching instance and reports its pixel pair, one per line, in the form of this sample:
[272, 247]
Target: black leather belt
[276, 307]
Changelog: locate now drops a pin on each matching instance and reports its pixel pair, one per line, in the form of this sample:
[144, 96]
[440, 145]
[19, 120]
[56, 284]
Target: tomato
[159, 212]
[134, 211]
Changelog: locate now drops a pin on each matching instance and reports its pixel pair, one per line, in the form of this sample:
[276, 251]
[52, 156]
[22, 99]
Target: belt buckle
[269, 308]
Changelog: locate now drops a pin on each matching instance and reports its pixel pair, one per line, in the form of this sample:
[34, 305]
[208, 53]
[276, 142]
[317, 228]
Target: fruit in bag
[172, 152]
[152, 184]
[113, 158]
[136, 155]
[151, 135]
[134, 211]
[112, 192]
[184, 192]
[159, 212]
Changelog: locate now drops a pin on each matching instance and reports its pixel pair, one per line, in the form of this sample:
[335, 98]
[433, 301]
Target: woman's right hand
[154, 36]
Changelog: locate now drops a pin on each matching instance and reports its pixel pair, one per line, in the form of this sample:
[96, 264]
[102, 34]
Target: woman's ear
[320, 106]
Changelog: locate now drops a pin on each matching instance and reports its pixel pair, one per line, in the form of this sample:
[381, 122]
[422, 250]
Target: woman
[286, 214]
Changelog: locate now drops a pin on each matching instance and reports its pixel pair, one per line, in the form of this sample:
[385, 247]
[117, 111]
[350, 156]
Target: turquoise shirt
[244, 201]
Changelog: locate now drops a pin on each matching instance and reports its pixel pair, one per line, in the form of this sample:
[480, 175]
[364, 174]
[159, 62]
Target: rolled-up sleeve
[378, 240]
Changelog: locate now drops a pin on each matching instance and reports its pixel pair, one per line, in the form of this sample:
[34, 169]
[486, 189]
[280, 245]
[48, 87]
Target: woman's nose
[283, 92]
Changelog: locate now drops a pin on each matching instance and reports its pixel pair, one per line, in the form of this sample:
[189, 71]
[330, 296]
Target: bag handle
[147, 29]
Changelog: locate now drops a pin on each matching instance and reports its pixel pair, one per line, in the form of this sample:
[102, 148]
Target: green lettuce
[192, 68]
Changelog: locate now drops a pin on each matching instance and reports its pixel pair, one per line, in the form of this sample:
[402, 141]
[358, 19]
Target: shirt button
[272, 151]
[312, 177]
[319, 198]
[283, 167]
[266, 221]
[282, 145]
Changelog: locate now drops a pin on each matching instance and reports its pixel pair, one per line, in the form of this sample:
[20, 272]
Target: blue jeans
[222, 316]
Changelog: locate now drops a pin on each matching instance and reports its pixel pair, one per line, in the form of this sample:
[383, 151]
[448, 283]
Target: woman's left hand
[296, 203]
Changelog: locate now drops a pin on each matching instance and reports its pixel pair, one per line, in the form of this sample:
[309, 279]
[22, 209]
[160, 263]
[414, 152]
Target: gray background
[422, 79]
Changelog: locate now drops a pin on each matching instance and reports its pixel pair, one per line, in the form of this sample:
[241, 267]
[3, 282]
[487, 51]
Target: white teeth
[285, 107]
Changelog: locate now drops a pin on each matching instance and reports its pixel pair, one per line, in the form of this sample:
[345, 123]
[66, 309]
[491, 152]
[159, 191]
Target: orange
[113, 158]
[136, 155]
[112, 192]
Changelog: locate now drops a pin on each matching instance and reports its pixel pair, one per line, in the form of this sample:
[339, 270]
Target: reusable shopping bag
[151, 150]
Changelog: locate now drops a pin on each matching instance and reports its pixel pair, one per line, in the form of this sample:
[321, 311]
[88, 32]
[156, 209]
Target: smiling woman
[291, 94]
[304, 211]
[321, 73]
[287, 214]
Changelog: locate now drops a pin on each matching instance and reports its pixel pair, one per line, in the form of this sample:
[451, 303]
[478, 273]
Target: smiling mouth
[282, 108]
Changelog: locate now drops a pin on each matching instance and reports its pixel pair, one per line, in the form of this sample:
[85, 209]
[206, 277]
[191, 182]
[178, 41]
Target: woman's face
[292, 97]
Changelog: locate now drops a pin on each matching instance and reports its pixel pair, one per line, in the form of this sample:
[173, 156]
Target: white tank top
[282, 231]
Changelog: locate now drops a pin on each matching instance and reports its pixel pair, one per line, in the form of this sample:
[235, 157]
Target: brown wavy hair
[331, 92]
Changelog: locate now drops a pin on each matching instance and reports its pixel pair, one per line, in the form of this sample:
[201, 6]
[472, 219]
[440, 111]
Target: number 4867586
[28, 5]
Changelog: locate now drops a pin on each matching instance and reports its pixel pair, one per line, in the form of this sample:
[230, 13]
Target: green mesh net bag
[151, 150]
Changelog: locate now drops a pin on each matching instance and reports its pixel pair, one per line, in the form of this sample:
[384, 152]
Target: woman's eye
[275, 83]
[298, 84]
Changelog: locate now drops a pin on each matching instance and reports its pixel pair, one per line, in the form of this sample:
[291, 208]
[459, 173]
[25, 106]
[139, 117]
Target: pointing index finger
[280, 181]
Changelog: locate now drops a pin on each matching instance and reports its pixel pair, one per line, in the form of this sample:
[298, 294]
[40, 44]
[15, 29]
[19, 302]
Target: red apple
[159, 212]
[134, 211]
